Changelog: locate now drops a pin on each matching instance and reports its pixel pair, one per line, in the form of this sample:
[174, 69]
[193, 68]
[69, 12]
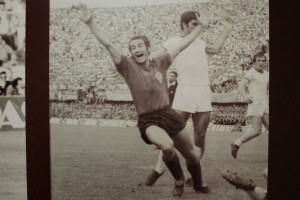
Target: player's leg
[200, 123]
[162, 140]
[157, 172]
[159, 168]
[256, 122]
[184, 145]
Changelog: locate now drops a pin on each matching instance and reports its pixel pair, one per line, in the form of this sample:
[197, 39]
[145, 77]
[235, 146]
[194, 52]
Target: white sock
[160, 166]
[258, 193]
[238, 142]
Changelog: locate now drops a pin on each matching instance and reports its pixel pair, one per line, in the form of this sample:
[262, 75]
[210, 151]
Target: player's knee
[199, 132]
[168, 152]
[257, 132]
[192, 158]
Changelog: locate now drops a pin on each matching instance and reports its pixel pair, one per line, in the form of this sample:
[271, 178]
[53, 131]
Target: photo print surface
[190, 92]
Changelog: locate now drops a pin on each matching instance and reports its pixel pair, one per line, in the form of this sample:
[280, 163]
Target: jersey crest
[158, 76]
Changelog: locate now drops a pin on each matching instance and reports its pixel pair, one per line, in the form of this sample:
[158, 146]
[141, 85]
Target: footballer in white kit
[254, 88]
[193, 93]
[258, 84]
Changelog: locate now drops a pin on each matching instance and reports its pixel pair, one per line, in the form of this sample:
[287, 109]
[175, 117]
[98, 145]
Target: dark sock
[175, 167]
[196, 173]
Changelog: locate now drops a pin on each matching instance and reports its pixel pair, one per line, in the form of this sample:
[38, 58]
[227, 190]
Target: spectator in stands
[147, 82]
[6, 52]
[17, 87]
[4, 22]
[18, 20]
[256, 82]
[3, 83]
[172, 85]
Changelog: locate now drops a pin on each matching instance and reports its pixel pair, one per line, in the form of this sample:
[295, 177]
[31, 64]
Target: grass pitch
[13, 185]
[89, 162]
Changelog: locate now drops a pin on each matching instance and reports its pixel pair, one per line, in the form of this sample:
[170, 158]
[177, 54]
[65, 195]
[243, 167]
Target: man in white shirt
[256, 80]
[193, 93]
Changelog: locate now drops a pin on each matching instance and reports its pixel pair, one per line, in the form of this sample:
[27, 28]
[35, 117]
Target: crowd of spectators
[12, 47]
[80, 110]
[223, 114]
[229, 114]
[77, 60]
[12, 32]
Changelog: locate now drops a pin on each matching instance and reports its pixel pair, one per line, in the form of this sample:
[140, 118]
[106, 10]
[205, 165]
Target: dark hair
[174, 72]
[142, 37]
[3, 72]
[14, 83]
[188, 16]
[258, 55]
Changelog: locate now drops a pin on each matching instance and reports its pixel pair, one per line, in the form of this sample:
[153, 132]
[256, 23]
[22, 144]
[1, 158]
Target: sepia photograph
[13, 183]
[158, 99]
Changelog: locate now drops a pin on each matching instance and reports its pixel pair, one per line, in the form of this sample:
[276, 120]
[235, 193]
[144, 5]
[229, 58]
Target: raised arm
[103, 38]
[185, 42]
[214, 49]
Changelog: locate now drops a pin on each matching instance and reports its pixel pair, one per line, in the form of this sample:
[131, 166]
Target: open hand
[83, 13]
[203, 18]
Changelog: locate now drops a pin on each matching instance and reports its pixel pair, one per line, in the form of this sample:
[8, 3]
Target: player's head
[172, 76]
[139, 47]
[188, 21]
[259, 61]
[2, 4]
[3, 76]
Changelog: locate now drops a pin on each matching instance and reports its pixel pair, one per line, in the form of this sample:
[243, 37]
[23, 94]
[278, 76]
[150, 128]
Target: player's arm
[242, 89]
[103, 38]
[185, 42]
[214, 49]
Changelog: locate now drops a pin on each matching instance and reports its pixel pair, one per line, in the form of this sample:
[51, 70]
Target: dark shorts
[166, 118]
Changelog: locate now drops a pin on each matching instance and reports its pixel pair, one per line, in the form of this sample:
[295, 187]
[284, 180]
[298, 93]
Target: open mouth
[139, 55]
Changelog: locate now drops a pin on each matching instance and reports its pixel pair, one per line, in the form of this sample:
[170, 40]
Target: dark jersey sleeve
[123, 65]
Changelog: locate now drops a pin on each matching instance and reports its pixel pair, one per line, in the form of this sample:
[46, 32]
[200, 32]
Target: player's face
[191, 25]
[172, 77]
[139, 51]
[3, 77]
[260, 63]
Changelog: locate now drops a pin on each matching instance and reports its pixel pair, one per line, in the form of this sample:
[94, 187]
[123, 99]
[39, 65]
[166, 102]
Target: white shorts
[192, 99]
[258, 108]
